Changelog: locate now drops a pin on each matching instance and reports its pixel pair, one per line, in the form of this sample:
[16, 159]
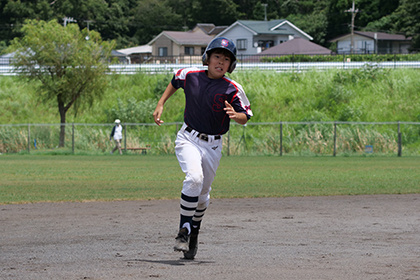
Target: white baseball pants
[199, 160]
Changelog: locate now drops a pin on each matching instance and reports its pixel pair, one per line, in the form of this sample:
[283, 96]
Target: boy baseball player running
[212, 100]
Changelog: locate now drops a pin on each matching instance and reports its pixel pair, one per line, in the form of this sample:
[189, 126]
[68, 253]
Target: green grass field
[31, 179]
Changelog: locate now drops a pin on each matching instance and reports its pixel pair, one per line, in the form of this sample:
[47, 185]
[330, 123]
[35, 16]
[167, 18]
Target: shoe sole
[181, 248]
[190, 256]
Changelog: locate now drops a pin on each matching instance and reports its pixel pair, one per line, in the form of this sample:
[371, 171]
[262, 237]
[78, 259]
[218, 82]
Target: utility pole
[265, 11]
[68, 19]
[353, 12]
[88, 21]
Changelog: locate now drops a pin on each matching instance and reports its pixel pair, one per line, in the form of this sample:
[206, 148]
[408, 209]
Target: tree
[338, 20]
[312, 19]
[110, 18]
[314, 24]
[14, 13]
[373, 10]
[70, 68]
[204, 11]
[408, 20]
[151, 17]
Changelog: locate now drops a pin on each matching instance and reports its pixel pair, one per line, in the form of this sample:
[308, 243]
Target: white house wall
[360, 43]
[238, 33]
[276, 39]
[290, 30]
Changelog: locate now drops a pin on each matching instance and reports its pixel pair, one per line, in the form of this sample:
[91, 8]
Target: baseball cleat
[181, 241]
[193, 247]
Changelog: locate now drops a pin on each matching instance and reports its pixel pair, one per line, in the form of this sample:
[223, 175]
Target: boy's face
[219, 63]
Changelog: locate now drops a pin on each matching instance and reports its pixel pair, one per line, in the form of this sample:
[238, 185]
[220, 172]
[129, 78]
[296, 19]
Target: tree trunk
[62, 112]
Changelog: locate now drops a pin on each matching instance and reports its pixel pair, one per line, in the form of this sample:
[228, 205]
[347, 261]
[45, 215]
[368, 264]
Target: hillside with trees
[136, 22]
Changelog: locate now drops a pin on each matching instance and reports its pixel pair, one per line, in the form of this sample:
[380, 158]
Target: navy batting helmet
[221, 43]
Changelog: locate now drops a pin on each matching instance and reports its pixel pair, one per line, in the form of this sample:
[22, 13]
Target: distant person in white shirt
[117, 134]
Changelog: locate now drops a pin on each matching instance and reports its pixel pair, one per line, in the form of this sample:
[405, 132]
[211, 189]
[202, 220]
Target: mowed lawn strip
[31, 179]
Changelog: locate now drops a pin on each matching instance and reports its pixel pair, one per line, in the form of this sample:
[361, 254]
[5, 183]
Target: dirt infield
[342, 237]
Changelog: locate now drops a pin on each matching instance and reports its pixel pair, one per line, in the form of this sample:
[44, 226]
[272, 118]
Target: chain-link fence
[274, 138]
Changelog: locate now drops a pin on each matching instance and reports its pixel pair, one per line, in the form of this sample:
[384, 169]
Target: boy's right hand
[157, 114]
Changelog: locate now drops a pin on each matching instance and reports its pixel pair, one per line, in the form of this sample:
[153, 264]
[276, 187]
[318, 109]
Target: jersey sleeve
[240, 101]
[178, 80]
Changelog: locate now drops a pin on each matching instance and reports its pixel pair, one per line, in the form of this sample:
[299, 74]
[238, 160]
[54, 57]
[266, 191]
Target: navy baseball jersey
[205, 100]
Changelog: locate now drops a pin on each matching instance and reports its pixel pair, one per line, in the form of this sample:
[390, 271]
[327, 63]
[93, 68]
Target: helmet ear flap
[232, 67]
[205, 58]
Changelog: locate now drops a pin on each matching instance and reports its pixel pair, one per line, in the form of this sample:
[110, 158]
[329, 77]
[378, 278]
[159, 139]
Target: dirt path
[343, 237]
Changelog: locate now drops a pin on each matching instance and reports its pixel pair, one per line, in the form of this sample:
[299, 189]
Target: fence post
[335, 138]
[293, 61]
[399, 140]
[395, 60]
[228, 152]
[281, 138]
[72, 139]
[125, 137]
[29, 138]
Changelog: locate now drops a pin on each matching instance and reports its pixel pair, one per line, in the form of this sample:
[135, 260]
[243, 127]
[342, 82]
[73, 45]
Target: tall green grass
[368, 94]
[253, 139]
[29, 179]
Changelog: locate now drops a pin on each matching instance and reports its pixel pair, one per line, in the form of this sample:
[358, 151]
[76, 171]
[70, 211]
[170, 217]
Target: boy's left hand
[238, 117]
[229, 110]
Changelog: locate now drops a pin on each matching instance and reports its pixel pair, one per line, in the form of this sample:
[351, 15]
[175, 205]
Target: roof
[9, 55]
[296, 46]
[185, 38]
[217, 29]
[206, 27]
[209, 28]
[117, 53]
[265, 27]
[379, 36]
[135, 50]
[272, 27]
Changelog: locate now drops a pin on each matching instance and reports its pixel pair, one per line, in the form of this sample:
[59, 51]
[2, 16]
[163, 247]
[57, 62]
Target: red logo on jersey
[219, 102]
[225, 43]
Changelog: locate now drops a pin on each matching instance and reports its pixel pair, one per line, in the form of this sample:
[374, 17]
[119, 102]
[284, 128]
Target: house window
[203, 50]
[163, 51]
[189, 50]
[241, 44]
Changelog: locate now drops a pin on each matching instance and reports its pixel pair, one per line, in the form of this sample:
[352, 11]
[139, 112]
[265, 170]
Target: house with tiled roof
[372, 42]
[252, 36]
[174, 45]
[169, 44]
[137, 54]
